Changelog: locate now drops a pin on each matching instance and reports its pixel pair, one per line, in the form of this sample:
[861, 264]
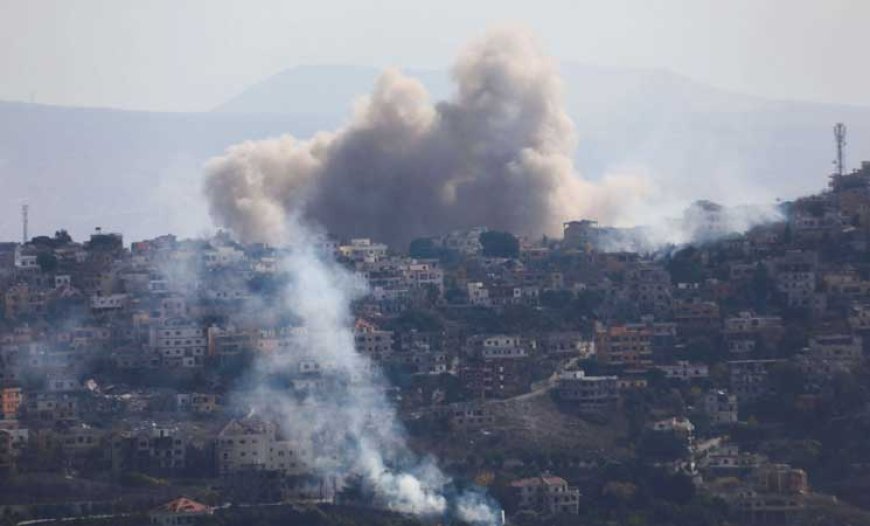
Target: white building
[418, 275]
[746, 323]
[100, 303]
[363, 250]
[503, 347]
[179, 343]
[678, 425]
[25, 259]
[685, 371]
[478, 294]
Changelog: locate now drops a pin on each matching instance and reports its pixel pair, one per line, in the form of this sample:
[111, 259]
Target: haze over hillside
[128, 171]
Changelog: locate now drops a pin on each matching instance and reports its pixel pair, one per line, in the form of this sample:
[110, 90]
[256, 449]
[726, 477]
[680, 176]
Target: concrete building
[371, 341]
[197, 403]
[547, 494]
[108, 303]
[180, 343]
[696, 317]
[624, 346]
[720, 407]
[778, 496]
[749, 378]
[466, 242]
[837, 351]
[503, 346]
[649, 288]
[685, 371]
[11, 399]
[13, 439]
[363, 250]
[580, 235]
[588, 393]
[478, 294]
[253, 444]
[470, 417]
[154, 448]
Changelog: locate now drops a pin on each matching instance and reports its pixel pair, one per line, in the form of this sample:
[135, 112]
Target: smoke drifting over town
[344, 426]
[498, 153]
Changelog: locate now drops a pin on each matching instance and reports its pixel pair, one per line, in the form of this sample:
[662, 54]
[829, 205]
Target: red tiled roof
[183, 505]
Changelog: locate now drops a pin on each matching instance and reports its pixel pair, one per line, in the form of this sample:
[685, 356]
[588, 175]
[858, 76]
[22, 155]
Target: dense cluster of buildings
[121, 358]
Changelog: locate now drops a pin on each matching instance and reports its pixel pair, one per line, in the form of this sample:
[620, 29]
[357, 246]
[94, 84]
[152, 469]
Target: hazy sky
[183, 55]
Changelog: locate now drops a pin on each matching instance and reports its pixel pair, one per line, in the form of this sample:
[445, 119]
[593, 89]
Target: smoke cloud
[345, 423]
[497, 154]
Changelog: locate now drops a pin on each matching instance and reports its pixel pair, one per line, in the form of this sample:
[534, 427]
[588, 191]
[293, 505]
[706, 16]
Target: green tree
[423, 248]
[500, 244]
[47, 261]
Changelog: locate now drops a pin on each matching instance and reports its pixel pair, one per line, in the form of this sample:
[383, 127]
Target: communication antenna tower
[24, 208]
[840, 138]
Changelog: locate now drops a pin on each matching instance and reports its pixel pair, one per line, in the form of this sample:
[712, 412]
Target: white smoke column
[348, 427]
[497, 153]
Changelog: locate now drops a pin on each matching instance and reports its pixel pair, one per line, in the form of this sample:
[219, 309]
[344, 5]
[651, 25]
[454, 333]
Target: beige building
[547, 494]
[622, 345]
[254, 444]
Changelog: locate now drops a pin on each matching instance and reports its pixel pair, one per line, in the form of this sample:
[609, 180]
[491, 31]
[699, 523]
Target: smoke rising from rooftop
[498, 153]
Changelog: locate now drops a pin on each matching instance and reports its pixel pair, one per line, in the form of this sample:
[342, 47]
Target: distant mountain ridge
[632, 119]
[325, 89]
[138, 172]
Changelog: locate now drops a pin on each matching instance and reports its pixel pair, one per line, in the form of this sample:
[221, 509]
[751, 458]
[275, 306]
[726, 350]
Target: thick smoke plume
[344, 424]
[498, 154]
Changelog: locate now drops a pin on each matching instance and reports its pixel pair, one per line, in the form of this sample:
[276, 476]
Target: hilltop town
[717, 382]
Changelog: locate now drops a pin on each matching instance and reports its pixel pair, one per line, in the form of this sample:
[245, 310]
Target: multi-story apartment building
[748, 378]
[371, 341]
[721, 407]
[547, 494]
[254, 444]
[588, 393]
[624, 346]
[180, 343]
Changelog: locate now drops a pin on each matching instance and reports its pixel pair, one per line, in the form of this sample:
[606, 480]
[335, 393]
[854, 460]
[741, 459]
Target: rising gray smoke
[499, 154]
[346, 426]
